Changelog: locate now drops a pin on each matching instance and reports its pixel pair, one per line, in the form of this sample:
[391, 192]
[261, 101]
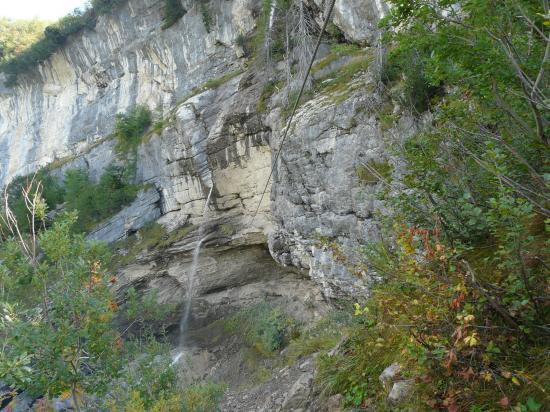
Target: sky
[43, 9]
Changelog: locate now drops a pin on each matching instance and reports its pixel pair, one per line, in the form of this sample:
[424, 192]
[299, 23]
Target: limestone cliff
[318, 210]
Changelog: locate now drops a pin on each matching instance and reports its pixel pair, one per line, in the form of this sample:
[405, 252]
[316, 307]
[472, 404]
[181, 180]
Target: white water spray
[270, 24]
[191, 281]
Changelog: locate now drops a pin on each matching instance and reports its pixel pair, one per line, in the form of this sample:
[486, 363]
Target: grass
[337, 51]
[264, 327]
[338, 84]
[62, 161]
[269, 89]
[373, 171]
[321, 337]
[215, 83]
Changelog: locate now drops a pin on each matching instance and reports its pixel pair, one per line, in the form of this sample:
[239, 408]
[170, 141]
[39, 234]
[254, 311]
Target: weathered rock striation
[317, 211]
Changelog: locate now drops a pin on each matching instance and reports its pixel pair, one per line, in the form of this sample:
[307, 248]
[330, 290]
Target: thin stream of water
[191, 281]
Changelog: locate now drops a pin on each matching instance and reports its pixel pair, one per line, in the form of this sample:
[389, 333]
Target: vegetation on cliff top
[17, 35]
[23, 44]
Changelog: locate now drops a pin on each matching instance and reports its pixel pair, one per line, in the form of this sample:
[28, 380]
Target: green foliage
[147, 380]
[27, 55]
[202, 397]
[206, 15]
[49, 349]
[405, 73]
[55, 36]
[320, 337]
[151, 383]
[264, 327]
[145, 313]
[52, 194]
[105, 6]
[18, 35]
[173, 11]
[95, 202]
[462, 308]
[131, 126]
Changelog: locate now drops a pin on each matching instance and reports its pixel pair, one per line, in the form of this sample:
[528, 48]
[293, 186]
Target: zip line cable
[285, 135]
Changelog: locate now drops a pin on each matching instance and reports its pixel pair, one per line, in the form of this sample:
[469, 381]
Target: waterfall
[192, 274]
[269, 30]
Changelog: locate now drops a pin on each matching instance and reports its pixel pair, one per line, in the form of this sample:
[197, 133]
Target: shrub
[51, 192]
[202, 397]
[463, 306]
[144, 313]
[206, 15]
[95, 202]
[148, 377]
[173, 11]
[129, 127]
[18, 35]
[105, 6]
[404, 71]
[54, 37]
[50, 348]
[264, 327]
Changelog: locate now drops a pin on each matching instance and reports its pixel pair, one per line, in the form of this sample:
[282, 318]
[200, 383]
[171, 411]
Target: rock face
[143, 210]
[70, 100]
[305, 239]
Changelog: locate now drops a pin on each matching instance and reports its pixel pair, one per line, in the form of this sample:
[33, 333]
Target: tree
[18, 35]
[66, 339]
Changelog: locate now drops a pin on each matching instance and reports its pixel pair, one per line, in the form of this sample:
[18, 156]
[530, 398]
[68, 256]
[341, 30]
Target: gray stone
[298, 396]
[144, 209]
[401, 391]
[389, 375]
[21, 403]
[335, 403]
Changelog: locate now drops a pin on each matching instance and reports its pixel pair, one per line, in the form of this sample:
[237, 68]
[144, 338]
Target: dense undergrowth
[464, 306]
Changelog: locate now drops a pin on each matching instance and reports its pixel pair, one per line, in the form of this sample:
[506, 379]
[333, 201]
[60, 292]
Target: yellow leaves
[469, 318]
[104, 317]
[359, 311]
[65, 395]
[471, 340]
[466, 319]
[509, 375]
[486, 376]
